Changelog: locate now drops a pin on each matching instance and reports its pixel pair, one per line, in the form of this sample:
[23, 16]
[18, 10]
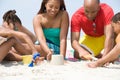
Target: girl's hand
[49, 55]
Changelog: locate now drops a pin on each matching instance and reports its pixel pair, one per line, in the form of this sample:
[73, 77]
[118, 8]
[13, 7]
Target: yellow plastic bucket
[26, 59]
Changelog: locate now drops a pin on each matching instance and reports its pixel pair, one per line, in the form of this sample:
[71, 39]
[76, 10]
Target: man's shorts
[93, 44]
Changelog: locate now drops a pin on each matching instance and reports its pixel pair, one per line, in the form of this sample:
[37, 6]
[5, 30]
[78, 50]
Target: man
[94, 19]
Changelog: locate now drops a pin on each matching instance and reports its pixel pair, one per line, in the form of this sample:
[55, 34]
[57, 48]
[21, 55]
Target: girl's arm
[39, 33]
[63, 33]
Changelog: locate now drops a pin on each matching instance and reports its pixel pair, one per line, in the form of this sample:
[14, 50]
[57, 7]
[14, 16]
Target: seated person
[10, 39]
[13, 22]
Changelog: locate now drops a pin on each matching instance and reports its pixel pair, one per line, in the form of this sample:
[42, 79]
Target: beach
[68, 71]
[12, 70]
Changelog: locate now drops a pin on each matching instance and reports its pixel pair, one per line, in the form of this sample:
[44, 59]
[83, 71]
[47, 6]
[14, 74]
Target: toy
[34, 57]
[26, 59]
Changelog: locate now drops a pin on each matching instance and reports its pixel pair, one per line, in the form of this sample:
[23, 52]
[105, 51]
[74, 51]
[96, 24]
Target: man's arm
[75, 36]
[63, 33]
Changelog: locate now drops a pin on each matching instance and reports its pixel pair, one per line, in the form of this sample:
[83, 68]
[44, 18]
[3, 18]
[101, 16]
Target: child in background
[13, 22]
[12, 41]
[13, 30]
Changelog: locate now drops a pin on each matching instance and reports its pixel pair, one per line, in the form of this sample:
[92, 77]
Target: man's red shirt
[80, 21]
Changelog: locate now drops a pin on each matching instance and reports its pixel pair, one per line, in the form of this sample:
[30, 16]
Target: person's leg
[12, 56]
[20, 48]
[13, 49]
[5, 47]
[23, 49]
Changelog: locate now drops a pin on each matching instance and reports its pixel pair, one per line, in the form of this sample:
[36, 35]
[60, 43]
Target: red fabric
[79, 21]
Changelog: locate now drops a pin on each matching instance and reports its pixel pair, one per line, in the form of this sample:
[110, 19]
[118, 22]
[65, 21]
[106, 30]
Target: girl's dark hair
[116, 17]
[11, 17]
[43, 9]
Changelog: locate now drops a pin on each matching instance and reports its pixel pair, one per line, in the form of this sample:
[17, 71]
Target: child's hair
[116, 17]
[43, 9]
[11, 17]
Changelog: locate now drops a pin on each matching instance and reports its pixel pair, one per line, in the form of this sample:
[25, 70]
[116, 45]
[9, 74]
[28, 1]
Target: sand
[13, 70]
[68, 71]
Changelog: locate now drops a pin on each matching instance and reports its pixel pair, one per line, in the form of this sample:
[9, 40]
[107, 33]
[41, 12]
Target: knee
[11, 40]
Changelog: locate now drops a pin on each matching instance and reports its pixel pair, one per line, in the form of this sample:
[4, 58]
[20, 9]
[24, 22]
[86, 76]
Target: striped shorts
[55, 48]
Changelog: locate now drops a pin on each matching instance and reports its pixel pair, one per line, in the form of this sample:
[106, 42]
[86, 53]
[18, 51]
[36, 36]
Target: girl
[51, 27]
